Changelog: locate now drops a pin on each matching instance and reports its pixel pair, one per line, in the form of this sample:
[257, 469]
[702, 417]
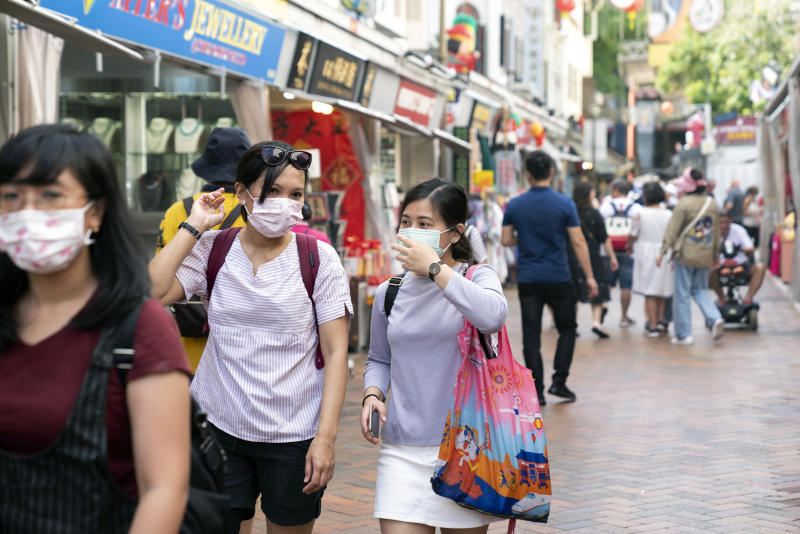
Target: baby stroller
[732, 275]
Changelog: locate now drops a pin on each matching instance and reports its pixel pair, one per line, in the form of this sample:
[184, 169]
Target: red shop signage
[415, 102]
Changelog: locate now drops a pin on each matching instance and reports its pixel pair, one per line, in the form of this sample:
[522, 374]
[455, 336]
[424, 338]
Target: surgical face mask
[42, 242]
[275, 216]
[427, 237]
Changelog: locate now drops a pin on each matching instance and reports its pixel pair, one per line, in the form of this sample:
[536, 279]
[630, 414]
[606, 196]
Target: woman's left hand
[320, 462]
[416, 257]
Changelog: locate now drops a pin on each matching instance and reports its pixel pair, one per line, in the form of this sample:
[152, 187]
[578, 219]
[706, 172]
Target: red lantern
[540, 137]
[565, 6]
[636, 6]
[667, 107]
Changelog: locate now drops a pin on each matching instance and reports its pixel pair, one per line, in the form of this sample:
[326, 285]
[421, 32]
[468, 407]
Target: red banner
[415, 102]
[340, 169]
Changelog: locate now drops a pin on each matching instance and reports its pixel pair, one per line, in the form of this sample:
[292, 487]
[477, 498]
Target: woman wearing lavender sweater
[414, 354]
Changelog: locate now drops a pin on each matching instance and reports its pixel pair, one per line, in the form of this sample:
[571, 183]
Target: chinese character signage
[206, 31]
[301, 62]
[481, 114]
[415, 102]
[369, 83]
[336, 73]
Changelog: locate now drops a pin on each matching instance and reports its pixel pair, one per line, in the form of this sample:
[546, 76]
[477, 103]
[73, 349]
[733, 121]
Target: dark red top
[40, 383]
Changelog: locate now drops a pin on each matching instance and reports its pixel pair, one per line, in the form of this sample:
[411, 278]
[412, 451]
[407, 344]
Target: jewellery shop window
[174, 134]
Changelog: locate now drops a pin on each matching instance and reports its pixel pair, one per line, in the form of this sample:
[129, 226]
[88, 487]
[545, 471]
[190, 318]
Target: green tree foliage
[719, 66]
[613, 27]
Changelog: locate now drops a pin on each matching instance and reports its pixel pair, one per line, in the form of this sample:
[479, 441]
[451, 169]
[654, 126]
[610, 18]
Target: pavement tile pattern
[661, 439]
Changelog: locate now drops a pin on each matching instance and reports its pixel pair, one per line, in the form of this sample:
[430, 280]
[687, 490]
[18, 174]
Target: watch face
[434, 269]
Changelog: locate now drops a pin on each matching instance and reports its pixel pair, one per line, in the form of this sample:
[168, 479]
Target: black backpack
[207, 507]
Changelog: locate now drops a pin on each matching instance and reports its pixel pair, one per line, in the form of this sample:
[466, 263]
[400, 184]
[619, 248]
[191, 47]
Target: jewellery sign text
[206, 31]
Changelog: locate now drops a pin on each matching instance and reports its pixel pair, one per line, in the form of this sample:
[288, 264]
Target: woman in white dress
[654, 282]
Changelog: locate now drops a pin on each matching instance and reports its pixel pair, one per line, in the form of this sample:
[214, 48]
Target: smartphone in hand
[375, 423]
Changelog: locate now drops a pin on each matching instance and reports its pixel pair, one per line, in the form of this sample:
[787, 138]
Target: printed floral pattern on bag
[493, 454]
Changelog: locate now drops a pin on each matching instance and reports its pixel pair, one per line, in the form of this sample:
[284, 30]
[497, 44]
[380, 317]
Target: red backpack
[308, 251]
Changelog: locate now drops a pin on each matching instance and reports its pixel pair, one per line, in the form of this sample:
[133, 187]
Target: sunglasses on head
[273, 155]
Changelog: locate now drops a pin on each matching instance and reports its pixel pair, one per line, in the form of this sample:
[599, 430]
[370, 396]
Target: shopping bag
[493, 454]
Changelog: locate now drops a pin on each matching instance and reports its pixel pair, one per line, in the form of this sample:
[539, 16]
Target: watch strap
[191, 229]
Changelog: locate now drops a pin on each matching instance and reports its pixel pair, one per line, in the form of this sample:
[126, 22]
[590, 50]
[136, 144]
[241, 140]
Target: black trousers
[561, 298]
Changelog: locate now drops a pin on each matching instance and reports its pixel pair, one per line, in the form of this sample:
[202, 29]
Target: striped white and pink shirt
[257, 379]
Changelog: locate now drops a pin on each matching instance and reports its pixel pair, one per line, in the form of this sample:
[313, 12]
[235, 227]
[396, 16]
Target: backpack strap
[123, 350]
[187, 205]
[308, 251]
[391, 293]
[628, 209]
[219, 250]
[231, 217]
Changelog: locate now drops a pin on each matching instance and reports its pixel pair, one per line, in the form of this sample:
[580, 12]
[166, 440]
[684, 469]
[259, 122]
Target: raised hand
[208, 210]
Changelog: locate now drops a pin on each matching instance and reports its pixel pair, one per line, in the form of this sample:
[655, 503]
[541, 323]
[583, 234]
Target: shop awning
[452, 141]
[64, 27]
[406, 125]
[365, 111]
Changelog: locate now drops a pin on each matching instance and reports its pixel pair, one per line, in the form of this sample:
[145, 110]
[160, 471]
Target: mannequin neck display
[158, 134]
[104, 129]
[76, 123]
[188, 185]
[187, 135]
[224, 122]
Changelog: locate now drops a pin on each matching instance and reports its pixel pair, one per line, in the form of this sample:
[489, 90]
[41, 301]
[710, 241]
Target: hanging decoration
[538, 132]
[637, 5]
[565, 6]
[461, 43]
[667, 107]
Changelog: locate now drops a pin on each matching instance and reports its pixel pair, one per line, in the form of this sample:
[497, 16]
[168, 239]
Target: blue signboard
[207, 31]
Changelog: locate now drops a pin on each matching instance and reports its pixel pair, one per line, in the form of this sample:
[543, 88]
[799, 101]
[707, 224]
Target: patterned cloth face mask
[275, 216]
[426, 237]
[43, 242]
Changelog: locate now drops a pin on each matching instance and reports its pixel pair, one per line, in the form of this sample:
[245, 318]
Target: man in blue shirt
[539, 222]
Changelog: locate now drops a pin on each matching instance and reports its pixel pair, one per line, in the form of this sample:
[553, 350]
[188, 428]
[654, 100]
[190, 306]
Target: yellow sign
[484, 178]
[226, 27]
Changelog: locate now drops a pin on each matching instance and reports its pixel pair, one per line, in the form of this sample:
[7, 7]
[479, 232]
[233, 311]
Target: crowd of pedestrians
[270, 371]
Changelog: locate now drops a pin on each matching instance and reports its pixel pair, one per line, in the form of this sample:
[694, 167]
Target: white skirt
[403, 490]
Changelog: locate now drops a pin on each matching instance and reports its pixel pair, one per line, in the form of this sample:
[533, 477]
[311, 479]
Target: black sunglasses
[273, 155]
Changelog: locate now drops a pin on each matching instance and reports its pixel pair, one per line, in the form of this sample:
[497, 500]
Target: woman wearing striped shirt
[414, 352]
[274, 412]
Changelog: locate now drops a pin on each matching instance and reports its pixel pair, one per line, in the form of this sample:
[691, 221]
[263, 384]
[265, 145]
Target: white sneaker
[718, 328]
[688, 340]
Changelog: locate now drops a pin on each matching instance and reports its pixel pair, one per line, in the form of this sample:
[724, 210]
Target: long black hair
[37, 156]
[581, 194]
[251, 166]
[450, 201]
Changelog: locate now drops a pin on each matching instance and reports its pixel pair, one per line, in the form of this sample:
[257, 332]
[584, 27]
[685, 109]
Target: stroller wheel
[752, 319]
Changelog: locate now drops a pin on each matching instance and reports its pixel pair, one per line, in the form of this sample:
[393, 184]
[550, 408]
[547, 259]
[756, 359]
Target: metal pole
[442, 38]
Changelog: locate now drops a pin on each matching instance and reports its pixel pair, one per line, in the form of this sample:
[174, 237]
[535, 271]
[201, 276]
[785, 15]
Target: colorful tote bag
[493, 455]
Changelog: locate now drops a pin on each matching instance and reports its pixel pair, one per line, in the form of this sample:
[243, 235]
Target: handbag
[493, 454]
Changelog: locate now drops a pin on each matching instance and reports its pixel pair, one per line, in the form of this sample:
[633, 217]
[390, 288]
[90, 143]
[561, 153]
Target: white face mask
[275, 216]
[427, 237]
[42, 242]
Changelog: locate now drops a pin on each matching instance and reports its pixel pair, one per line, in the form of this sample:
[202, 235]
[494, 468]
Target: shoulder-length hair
[581, 195]
[37, 156]
[450, 201]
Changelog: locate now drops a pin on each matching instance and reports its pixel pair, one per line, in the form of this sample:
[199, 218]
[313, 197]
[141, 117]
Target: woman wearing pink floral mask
[274, 410]
[79, 450]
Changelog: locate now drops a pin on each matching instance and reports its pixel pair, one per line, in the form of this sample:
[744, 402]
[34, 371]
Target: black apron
[68, 488]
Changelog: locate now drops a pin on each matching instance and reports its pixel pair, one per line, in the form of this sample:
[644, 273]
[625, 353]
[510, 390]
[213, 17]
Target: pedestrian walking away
[693, 237]
[539, 222]
[79, 450]
[619, 211]
[414, 317]
[594, 231]
[652, 281]
[273, 398]
[734, 202]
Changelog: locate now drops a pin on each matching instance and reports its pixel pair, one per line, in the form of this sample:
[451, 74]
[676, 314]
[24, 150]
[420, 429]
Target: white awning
[407, 125]
[64, 27]
[367, 112]
[452, 141]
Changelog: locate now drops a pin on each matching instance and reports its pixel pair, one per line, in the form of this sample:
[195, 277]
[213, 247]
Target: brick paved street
[662, 438]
